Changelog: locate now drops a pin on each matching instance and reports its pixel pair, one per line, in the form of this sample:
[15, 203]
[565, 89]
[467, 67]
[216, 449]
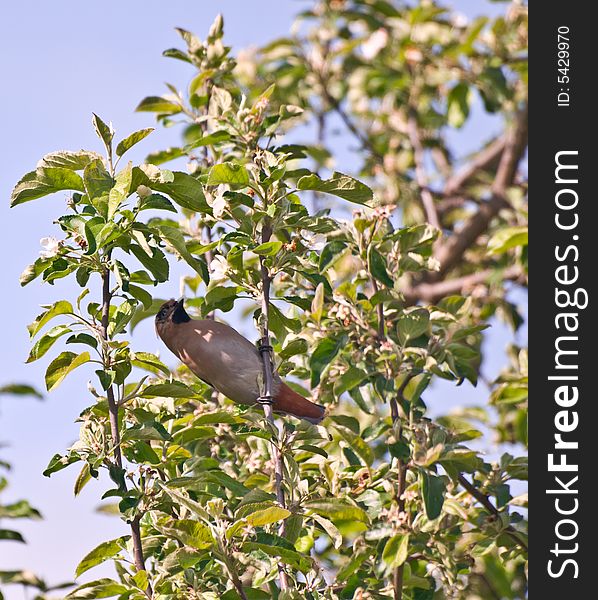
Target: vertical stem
[398, 575]
[234, 576]
[114, 428]
[267, 398]
[379, 311]
[420, 172]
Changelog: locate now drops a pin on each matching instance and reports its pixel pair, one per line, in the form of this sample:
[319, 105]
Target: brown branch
[481, 161]
[420, 172]
[451, 252]
[432, 292]
[267, 398]
[398, 575]
[485, 502]
[114, 427]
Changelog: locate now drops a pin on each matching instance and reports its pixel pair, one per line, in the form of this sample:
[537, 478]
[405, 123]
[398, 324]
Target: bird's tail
[290, 402]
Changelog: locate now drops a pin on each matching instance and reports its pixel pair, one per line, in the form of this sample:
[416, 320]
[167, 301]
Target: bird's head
[171, 312]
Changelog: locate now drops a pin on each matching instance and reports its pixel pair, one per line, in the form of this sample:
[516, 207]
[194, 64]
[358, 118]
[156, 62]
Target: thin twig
[451, 252]
[420, 171]
[432, 292]
[481, 161]
[114, 426]
[485, 502]
[395, 405]
[267, 398]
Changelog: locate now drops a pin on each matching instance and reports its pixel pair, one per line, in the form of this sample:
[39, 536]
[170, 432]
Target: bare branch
[482, 160]
[485, 502]
[114, 428]
[267, 398]
[420, 172]
[432, 292]
[451, 252]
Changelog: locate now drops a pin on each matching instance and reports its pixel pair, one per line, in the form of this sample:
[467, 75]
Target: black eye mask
[179, 314]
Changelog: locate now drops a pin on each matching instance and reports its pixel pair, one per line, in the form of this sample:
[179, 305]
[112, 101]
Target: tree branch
[420, 172]
[398, 575]
[451, 252]
[485, 502]
[482, 160]
[432, 292]
[114, 426]
[267, 398]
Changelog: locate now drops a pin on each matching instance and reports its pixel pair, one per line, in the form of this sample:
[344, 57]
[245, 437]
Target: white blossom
[413, 55]
[50, 246]
[433, 571]
[143, 191]
[217, 200]
[314, 241]
[372, 46]
[460, 20]
[218, 269]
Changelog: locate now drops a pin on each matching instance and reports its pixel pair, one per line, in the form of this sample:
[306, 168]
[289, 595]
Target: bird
[227, 361]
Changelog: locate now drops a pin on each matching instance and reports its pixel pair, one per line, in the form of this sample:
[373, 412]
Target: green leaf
[156, 264]
[396, 550]
[231, 173]
[339, 185]
[377, 267]
[433, 488]
[162, 156]
[351, 378]
[337, 509]
[47, 341]
[267, 516]
[188, 532]
[62, 307]
[44, 181]
[131, 140]
[296, 346]
[104, 132]
[10, 535]
[274, 545]
[76, 161]
[101, 588]
[18, 510]
[20, 389]
[458, 102]
[82, 479]
[62, 365]
[268, 248]
[120, 192]
[176, 239]
[329, 253]
[324, 353]
[330, 528]
[157, 202]
[208, 140]
[175, 389]
[158, 104]
[507, 238]
[140, 294]
[357, 444]
[59, 462]
[186, 191]
[101, 553]
[34, 270]
[317, 304]
[413, 323]
[121, 317]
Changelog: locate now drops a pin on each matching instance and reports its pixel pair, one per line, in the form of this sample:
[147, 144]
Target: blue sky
[59, 62]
